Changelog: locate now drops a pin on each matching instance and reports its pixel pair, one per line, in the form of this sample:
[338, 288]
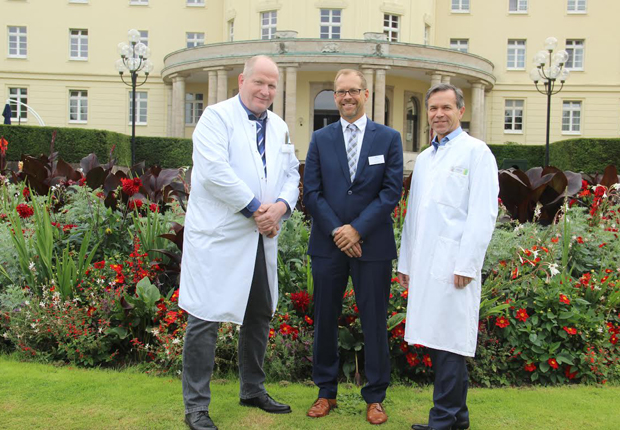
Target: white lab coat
[220, 243]
[450, 219]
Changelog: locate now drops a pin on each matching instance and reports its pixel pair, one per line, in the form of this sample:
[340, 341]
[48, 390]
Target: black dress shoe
[199, 421]
[461, 425]
[267, 404]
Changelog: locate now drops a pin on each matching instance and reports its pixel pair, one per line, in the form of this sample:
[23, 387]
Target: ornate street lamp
[134, 59]
[549, 68]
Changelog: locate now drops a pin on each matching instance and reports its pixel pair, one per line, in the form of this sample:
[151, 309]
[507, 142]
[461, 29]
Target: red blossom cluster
[131, 186]
[301, 300]
[24, 210]
[134, 204]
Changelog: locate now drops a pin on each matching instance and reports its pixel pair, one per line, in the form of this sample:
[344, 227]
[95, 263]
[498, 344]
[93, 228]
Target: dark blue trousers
[450, 392]
[371, 283]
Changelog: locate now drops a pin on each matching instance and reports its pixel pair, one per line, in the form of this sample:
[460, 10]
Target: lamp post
[549, 68]
[134, 59]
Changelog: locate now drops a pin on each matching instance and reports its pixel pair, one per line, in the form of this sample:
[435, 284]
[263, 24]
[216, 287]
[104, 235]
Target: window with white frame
[575, 49]
[195, 2]
[139, 2]
[18, 111]
[195, 39]
[461, 45]
[460, 6]
[194, 104]
[231, 30]
[576, 6]
[141, 107]
[571, 117]
[330, 23]
[78, 106]
[517, 6]
[18, 42]
[268, 24]
[78, 41]
[391, 27]
[513, 116]
[144, 37]
[516, 54]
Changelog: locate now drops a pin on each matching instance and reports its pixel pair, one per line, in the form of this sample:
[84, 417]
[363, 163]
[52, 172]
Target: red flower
[502, 322]
[154, 207]
[285, 329]
[131, 186]
[308, 320]
[413, 359]
[404, 294]
[553, 363]
[398, 331]
[26, 192]
[3, 145]
[301, 300]
[515, 273]
[24, 210]
[134, 204]
[564, 299]
[82, 182]
[99, 265]
[570, 330]
[91, 310]
[599, 191]
[67, 227]
[175, 296]
[272, 332]
[602, 244]
[529, 367]
[555, 239]
[171, 317]
[404, 347]
[613, 339]
[579, 239]
[427, 360]
[568, 373]
[522, 315]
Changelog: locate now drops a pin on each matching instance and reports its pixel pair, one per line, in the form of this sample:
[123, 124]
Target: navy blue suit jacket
[367, 203]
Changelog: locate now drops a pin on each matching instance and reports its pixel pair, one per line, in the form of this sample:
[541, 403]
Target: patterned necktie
[260, 139]
[352, 150]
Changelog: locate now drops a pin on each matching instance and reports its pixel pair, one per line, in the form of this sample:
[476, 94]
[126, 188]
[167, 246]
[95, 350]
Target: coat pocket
[444, 260]
[206, 216]
[451, 188]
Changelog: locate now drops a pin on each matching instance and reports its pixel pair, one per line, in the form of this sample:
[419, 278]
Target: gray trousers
[201, 338]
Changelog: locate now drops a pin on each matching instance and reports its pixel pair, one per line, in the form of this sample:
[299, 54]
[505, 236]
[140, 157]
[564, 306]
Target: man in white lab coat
[244, 182]
[450, 219]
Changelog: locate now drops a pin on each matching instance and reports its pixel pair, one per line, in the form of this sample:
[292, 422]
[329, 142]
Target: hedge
[167, 152]
[584, 154]
[533, 154]
[72, 144]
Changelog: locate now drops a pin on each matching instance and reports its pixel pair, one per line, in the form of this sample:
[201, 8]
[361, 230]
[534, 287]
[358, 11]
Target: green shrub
[533, 154]
[585, 154]
[167, 152]
[72, 144]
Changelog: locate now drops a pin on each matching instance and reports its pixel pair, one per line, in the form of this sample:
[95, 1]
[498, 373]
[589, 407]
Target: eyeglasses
[353, 92]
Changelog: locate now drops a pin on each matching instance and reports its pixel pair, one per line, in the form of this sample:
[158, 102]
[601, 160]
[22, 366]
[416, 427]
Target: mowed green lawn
[37, 396]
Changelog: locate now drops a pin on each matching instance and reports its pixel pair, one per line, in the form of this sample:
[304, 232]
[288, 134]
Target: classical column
[379, 116]
[169, 107]
[369, 74]
[435, 79]
[278, 103]
[212, 95]
[291, 99]
[178, 106]
[222, 85]
[445, 79]
[476, 127]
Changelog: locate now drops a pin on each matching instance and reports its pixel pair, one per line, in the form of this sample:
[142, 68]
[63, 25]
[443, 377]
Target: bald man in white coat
[450, 220]
[244, 182]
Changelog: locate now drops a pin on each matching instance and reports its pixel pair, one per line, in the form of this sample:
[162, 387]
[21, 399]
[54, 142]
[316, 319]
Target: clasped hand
[347, 239]
[267, 218]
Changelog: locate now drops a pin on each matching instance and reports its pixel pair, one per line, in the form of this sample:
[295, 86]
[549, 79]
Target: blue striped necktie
[260, 138]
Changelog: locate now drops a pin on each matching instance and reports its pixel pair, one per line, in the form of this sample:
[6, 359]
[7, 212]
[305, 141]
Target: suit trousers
[371, 283]
[201, 338]
[450, 391]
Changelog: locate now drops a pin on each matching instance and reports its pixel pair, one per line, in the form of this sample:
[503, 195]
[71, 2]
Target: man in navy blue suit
[352, 182]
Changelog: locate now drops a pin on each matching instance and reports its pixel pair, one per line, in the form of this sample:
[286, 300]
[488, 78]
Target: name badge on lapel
[376, 159]
[288, 147]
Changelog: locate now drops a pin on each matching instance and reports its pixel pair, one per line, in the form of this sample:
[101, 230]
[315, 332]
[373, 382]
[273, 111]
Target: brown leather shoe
[375, 414]
[321, 407]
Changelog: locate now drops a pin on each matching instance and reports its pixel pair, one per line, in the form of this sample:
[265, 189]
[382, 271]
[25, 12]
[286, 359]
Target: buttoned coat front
[220, 243]
[450, 220]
